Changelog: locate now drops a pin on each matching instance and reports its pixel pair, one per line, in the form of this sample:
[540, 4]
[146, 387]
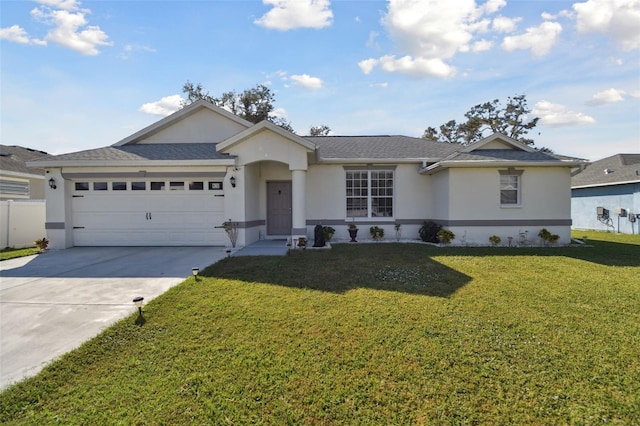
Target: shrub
[42, 243]
[327, 232]
[429, 231]
[376, 233]
[548, 237]
[445, 236]
[495, 240]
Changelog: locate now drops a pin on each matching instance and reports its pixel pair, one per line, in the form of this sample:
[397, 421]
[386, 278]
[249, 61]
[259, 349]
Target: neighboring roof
[138, 154]
[381, 147]
[13, 161]
[615, 170]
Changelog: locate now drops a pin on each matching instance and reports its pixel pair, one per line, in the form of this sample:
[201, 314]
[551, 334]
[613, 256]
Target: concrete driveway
[52, 302]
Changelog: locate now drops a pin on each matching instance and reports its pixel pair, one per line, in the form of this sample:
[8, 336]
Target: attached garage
[155, 212]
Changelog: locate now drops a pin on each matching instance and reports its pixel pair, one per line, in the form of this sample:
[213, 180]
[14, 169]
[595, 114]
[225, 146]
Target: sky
[78, 75]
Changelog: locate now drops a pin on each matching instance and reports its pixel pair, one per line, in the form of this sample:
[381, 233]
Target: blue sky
[81, 75]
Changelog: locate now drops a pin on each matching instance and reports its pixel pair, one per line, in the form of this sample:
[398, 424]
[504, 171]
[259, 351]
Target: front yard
[367, 334]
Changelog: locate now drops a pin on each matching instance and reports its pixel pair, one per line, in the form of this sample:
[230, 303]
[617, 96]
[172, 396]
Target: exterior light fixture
[138, 301]
[52, 183]
[195, 272]
[232, 180]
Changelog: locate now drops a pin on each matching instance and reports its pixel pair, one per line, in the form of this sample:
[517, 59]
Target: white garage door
[148, 213]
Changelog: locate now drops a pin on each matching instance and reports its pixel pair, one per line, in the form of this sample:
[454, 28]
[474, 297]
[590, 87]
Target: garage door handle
[149, 215]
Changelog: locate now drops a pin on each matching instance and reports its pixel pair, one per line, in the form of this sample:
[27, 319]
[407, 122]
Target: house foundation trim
[54, 225]
[517, 222]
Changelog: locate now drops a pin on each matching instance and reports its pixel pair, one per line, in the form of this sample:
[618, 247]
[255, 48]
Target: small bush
[429, 232]
[548, 237]
[445, 236]
[42, 243]
[495, 240]
[376, 233]
[328, 232]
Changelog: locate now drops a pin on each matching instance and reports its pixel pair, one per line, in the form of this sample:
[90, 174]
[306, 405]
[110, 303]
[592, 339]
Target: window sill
[510, 206]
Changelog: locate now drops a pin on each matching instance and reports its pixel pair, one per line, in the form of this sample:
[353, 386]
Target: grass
[367, 334]
[10, 253]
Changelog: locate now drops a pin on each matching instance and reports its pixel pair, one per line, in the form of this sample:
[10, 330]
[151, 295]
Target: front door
[278, 208]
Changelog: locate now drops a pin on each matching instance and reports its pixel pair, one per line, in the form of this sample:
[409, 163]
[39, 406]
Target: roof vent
[607, 171]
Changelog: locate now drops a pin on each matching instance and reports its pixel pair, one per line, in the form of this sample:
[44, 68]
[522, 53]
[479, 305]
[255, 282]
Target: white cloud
[279, 113]
[289, 14]
[556, 115]
[367, 65]
[165, 106]
[609, 96]
[14, 33]
[502, 24]
[129, 49]
[538, 39]
[431, 32]
[305, 80]
[383, 85]
[619, 19]
[69, 24]
[416, 67]
[481, 45]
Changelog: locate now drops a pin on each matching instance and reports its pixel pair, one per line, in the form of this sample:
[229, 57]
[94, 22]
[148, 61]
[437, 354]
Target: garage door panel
[148, 219]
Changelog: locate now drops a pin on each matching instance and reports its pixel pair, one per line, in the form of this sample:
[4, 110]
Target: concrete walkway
[264, 248]
[52, 302]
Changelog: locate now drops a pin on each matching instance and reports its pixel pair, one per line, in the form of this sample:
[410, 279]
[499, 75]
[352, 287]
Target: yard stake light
[138, 301]
[195, 272]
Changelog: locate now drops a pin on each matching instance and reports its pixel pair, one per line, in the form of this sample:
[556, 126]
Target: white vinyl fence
[21, 222]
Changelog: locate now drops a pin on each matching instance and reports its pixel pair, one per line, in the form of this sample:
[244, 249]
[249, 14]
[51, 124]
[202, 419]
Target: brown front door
[278, 208]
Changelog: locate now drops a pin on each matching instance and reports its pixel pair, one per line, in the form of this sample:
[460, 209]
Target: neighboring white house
[605, 196]
[176, 181]
[22, 205]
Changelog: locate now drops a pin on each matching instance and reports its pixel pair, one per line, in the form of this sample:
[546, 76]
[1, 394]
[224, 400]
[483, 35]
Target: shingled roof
[144, 152]
[615, 170]
[382, 147]
[13, 159]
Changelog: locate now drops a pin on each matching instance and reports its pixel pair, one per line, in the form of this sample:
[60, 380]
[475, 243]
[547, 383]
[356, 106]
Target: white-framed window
[369, 193]
[510, 187]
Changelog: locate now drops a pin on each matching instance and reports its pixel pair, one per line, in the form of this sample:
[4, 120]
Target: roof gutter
[434, 168]
[129, 163]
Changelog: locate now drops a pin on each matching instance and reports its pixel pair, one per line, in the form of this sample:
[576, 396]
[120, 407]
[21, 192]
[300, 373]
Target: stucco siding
[201, 127]
[269, 146]
[441, 195]
[584, 202]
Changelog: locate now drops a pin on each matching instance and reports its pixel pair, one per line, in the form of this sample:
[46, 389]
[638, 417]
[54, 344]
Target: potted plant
[41, 244]
[302, 242]
[376, 232]
[494, 240]
[445, 236]
[353, 232]
[328, 232]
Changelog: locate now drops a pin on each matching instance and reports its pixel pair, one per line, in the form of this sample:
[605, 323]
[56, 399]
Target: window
[509, 190]
[369, 193]
[214, 186]
[82, 186]
[196, 186]
[157, 186]
[138, 186]
[99, 186]
[176, 186]
[118, 186]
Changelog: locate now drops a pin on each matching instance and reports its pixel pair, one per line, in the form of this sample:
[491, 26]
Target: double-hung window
[369, 193]
[510, 187]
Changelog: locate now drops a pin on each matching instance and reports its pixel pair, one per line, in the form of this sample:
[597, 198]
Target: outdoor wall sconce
[232, 180]
[52, 183]
[195, 272]
[138, 301]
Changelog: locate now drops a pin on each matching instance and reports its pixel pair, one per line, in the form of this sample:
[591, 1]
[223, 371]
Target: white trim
[264, 125]
[134, 163]
[605, 184]
[502, 138]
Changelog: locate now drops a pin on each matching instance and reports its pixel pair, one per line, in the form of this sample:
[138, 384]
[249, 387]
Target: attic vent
[607, 171]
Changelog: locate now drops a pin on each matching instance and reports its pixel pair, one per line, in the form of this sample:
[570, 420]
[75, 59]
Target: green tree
[321, 130]
[254, 105]
[485, 119]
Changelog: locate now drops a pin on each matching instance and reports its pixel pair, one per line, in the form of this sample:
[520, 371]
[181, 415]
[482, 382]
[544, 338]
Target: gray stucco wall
[584, 202]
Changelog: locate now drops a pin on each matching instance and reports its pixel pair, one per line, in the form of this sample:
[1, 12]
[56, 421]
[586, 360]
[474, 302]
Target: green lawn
[10, 253]
[368, 334]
